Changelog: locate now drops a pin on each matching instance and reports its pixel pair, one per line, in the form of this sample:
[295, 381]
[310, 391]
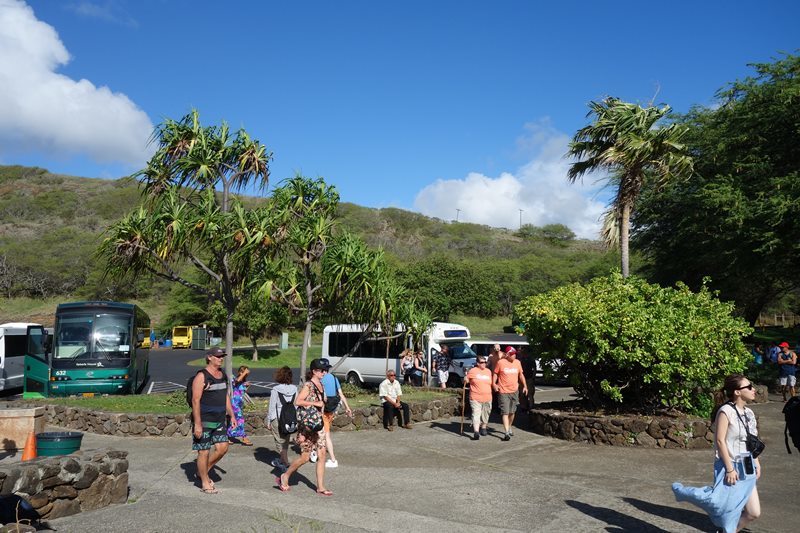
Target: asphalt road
[169, 371]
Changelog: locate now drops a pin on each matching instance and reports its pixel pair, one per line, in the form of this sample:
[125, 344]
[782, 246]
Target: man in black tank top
[211, 401]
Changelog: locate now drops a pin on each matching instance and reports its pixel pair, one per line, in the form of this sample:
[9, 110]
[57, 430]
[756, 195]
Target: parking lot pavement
[432, 479]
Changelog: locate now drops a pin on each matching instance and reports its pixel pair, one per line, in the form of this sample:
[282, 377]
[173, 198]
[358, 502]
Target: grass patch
[364, 397]
[167, 404]
[175, 402]
[482, 326]
[267, 357]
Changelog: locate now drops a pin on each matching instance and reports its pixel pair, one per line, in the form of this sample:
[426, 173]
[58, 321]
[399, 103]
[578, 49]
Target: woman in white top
[732, 502]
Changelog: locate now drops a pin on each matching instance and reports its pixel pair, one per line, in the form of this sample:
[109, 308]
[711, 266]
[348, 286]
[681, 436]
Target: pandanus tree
[626, 141]
[189, 217]
[305, 210]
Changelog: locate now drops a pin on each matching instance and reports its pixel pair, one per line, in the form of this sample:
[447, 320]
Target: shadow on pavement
[620, 522]
[190, 469]
[453, 427]
[266, 456]
[694, 519]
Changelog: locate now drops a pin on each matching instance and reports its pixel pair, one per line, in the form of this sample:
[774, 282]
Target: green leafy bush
[640, 345]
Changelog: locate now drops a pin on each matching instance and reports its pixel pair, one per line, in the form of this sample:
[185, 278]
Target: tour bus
[182, 337]
[369, 364]
[12, 354]
[97, 348]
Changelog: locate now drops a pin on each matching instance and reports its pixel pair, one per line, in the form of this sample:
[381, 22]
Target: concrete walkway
[432, 479]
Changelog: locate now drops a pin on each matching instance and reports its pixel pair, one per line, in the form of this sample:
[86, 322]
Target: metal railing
[786, 320]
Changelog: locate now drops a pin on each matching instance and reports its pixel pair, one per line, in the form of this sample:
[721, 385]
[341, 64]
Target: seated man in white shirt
[390, 393]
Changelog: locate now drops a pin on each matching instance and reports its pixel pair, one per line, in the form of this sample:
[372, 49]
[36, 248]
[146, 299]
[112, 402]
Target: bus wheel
[353, 379]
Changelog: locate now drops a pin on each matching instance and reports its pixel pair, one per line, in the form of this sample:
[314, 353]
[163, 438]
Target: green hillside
[50, 225]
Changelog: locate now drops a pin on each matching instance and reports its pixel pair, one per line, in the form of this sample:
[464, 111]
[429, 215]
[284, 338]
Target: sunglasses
[481, 362]
[748, 387]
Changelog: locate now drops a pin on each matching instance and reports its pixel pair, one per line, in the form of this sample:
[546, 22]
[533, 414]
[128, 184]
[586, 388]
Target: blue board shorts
[213, 433]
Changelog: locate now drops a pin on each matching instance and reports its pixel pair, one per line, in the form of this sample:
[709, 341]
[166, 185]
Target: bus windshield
[92, 336]
[459, 350]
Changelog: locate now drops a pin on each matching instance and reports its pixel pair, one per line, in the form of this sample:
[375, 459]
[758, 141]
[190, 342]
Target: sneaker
[506, 437]
[407, 426]
[313, 456]
[277, 463]
[511, 431]
[476, 436]
[484, 432]
[331, 464]
[390, 428]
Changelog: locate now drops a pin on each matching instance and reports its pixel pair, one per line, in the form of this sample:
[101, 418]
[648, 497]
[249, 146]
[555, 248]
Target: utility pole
[520, 219]
[457, 212]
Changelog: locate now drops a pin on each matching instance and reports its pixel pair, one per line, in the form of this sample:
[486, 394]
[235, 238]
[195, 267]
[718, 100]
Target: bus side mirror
[140, 337]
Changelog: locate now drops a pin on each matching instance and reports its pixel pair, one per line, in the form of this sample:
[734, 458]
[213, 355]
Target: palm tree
[625, 140]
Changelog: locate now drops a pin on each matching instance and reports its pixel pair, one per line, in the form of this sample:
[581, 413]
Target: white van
[370, 363]
[13, 343]
[523, 348]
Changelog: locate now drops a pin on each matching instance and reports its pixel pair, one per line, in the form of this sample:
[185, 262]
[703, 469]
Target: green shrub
[640, 345]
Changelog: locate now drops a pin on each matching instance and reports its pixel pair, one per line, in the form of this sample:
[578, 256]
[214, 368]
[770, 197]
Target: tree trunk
[304, 349]
[255, 348]
[229, 345]
[310, 312]
[625, 218]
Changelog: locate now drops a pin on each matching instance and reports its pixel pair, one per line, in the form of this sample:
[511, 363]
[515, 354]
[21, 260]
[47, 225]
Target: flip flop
[212, 490]
[281, 486]
[246, 442]
[325, 492]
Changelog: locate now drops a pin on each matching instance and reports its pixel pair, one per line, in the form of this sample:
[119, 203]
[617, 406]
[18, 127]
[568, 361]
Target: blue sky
[430, 105]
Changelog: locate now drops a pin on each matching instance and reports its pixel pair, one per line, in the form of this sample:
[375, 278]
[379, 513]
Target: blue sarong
[723, 503]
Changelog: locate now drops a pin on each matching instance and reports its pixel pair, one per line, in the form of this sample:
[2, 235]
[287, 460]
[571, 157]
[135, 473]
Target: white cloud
[43, 110]
[540, 188]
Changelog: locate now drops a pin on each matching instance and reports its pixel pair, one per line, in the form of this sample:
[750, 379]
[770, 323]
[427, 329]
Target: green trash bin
[58, 443]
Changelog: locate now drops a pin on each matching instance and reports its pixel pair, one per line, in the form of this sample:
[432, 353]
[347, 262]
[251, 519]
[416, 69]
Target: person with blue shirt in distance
[335, 396]
[758, 354]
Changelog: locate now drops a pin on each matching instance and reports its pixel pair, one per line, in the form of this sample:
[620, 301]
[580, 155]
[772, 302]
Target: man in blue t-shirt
[333, 396]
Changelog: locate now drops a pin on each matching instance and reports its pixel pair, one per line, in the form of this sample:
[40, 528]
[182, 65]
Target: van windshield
[459, 350]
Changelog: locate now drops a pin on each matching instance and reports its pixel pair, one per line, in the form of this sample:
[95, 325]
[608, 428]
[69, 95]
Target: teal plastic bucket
[58, 443]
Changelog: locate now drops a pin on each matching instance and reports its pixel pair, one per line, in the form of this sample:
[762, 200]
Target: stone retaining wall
[153, 425]
[69, 484]
[650, 432]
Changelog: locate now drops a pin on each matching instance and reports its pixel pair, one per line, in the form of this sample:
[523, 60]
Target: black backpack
[287, 419]
[791, 412]
[189, 385]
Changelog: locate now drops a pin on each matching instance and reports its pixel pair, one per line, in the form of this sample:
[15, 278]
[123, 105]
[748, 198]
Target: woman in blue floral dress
[239, 388]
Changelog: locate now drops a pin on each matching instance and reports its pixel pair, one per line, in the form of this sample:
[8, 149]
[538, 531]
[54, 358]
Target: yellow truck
[182, 337]
[146, 341]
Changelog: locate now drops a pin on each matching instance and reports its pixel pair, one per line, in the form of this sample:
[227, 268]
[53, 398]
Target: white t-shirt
[736, 439]
[390, 389]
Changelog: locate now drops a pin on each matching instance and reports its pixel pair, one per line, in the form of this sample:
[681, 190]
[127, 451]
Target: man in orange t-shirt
[507, 379]
[479, 379]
